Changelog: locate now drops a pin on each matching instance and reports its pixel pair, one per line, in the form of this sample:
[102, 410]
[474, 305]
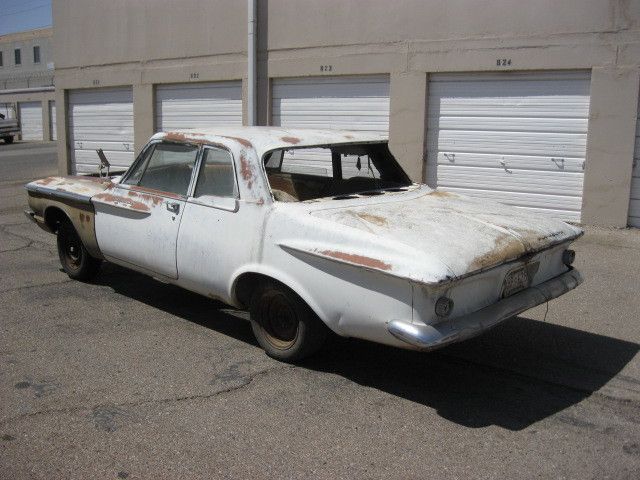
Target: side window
[136, 174]
[217, 177]
[167, 168]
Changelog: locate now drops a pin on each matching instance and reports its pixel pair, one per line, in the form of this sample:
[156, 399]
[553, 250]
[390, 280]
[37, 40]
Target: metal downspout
[251, 60]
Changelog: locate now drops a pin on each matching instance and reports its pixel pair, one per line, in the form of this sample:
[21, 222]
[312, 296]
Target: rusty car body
[309, 248]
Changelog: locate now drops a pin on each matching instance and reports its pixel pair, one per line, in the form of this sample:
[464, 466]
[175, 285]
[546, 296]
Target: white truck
[9, 128]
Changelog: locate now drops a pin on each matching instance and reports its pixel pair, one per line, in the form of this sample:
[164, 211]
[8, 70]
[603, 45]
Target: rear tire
[284, 325]
[8, 140]
[74, 258]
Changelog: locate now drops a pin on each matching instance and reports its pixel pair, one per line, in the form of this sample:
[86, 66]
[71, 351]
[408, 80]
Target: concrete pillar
[46, 124]
[64, 161]
[610, 145]
[407, 129]
[143, 115]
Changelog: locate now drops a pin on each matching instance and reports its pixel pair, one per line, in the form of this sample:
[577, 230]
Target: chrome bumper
[429, 337]
[30, 215]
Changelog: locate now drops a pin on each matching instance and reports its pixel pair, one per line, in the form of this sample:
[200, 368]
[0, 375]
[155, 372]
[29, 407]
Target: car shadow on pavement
[513, 376]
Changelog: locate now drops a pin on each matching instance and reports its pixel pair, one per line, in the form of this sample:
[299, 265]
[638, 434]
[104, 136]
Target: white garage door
[52, 120]
[194, 105]
[358, 103]
[31, 120]
[515, 138]
[100, 118]
[634, 203]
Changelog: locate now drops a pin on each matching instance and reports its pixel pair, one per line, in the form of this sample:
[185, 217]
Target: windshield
[306, 173]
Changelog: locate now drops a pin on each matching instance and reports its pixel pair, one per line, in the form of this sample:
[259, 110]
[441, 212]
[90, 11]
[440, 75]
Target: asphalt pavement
[127, 377]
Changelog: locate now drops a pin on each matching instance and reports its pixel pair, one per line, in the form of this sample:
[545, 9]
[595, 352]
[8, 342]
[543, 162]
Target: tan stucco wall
[149, 42]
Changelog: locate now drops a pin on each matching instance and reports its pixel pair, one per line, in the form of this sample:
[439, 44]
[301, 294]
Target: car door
[137, 221]
[220, 232]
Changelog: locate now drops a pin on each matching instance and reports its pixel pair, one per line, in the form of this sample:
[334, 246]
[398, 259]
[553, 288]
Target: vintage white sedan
[313, 231]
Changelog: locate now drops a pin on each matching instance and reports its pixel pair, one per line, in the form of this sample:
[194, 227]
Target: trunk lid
[467, 235]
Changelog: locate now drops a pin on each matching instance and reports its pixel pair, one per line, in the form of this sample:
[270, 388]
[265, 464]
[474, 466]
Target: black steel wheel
[75, 260]
[284, 325]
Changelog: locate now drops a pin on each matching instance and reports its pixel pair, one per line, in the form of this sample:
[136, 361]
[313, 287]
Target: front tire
[284, 325]
[74, 258]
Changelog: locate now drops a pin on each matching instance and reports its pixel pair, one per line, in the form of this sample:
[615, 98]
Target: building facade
[530, 103]
[26, 82]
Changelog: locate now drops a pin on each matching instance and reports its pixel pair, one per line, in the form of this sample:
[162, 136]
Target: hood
[447, 234]
[78, 185]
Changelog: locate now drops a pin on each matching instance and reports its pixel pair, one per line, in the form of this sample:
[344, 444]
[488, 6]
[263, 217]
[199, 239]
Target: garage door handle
[173, 207]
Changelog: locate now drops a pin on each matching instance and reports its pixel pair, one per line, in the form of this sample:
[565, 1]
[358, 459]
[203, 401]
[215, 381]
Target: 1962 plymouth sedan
[312, 231]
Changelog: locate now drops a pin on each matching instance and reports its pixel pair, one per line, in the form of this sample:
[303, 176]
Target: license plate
[515, 281]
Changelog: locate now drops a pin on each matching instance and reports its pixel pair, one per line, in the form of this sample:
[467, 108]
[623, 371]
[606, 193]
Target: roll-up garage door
[100, 118]
[198, 105]
[634, 202]
[31, 120]
[514, 138]
[358, 103]
[52, 120]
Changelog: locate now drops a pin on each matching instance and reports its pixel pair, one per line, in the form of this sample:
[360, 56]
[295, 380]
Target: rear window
[305, 173]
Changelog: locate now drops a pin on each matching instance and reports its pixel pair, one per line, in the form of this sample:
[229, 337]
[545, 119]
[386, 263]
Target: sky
[21, 15]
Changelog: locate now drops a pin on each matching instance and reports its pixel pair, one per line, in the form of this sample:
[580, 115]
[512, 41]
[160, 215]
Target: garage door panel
[31, 120]
[550, 164]
[355, 102]
[565, 125]
[536, 143]
[116, 158]
[198, 105]
[516, 181]
[101, 118]
[530, 200]
[522, 136]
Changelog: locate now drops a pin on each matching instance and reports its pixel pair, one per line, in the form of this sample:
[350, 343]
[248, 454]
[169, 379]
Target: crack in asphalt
[18, 248]
[246, 381]
[32, 243]
[24, 287]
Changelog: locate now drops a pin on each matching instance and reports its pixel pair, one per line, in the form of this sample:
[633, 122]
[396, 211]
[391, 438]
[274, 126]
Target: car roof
[264, 139]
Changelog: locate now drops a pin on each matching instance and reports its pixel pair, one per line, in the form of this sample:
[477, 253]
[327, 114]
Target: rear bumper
[429, 337]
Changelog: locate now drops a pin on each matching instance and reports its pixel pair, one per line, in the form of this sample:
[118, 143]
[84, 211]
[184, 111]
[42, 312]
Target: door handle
[173, 207]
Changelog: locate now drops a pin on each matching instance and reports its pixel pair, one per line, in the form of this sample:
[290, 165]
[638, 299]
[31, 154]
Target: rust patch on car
[242, 141]
[291, 140]
[442, 193]
[88, 178]
[84, 218]
[124, 201]
[349, 137]
[506, 248]
[46, 181]
[357, 259]
[246, 171]
[152, 192]
[375, 219]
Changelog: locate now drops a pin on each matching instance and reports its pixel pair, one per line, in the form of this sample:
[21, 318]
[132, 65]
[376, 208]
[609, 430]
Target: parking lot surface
[127, 377]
